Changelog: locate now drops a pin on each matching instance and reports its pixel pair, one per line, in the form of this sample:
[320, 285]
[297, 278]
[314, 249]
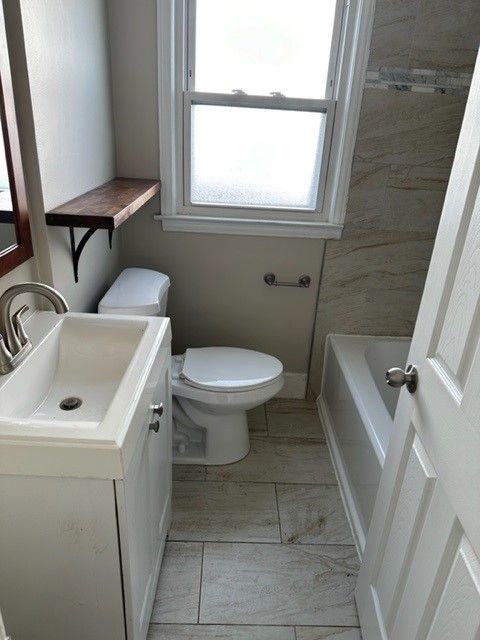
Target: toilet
[213, 387]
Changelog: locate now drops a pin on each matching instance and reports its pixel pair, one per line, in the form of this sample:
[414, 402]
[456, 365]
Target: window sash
[265, 102]
[189, 21]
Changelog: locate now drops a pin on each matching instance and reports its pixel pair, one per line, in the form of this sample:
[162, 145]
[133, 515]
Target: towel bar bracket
[303, 281]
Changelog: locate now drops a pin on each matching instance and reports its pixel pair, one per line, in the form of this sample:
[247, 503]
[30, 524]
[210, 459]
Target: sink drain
[69, 404]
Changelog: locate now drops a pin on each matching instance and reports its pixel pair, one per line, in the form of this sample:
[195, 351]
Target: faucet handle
[18, 324]
[5, 356]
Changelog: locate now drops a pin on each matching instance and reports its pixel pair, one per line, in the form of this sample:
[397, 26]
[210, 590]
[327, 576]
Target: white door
[420, 579]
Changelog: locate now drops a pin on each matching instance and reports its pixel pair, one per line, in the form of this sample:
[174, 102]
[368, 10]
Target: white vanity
[85, 492]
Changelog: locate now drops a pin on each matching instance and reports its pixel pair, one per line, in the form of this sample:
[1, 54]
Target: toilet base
[208, 438]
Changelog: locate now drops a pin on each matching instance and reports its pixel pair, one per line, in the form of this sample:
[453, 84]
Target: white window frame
[348, 61]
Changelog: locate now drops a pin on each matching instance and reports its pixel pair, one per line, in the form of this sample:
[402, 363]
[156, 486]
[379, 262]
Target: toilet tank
[137, 292]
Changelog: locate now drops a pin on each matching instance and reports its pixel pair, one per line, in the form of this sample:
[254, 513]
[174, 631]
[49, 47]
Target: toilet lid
[228, 368]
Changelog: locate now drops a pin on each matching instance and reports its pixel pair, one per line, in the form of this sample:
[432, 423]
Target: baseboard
[295, 386]
[345, 492]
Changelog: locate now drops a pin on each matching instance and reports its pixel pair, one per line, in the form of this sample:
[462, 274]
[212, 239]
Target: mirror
[8, 231]
[15, 239]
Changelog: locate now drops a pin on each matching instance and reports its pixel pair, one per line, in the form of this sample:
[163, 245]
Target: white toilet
[213, 387]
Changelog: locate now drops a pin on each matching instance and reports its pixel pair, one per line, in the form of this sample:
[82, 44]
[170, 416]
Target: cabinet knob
[157, 409]
[154, 426]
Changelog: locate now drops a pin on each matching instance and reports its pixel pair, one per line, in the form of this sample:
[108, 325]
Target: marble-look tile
[447, 35]
[390, 260]
[279, 404]
[189, 472]
[178, 588]
[311, 396]
[312, 515]
[327, 633]
[257, 421]
[279, 584]
[404, 127]
[289, 419]
[393, 29]
[414, 198]
[395, 198]
[222, 632]
[257, 415]
[291, 460]
[366, 196]
[224, 511]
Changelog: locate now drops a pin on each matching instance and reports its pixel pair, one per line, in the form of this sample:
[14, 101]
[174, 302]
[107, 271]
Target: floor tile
[291, 419]
[289, 460]
[219, 632]
[224, 511]
[178, 588]
[327, 633]
[312, 514]
[257, 420]
[257, 415]
[189, 472]
[278, 584]
[279, 404]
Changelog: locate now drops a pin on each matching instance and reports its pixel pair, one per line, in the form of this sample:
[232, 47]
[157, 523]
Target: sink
[82, 359]
[82, 397]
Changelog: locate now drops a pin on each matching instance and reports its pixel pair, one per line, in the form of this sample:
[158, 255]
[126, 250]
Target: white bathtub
[357, 408]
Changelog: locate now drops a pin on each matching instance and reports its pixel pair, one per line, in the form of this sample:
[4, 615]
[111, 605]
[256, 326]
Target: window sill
[248, 227]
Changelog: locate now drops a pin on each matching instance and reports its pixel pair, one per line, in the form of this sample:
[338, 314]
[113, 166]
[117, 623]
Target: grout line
[319, 439]
[252, 624]
[295, 632]
[315, 317]
[260, 482]
[294, 545]
[278, 513]
[201, 583]
[295, 484]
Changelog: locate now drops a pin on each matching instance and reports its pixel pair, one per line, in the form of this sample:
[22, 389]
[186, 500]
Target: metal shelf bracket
[76, 250]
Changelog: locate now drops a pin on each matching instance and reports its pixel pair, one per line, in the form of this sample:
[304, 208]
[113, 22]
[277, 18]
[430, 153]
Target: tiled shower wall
[422, 56]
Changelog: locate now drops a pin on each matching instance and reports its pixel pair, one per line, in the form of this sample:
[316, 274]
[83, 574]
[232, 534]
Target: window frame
[352, 29]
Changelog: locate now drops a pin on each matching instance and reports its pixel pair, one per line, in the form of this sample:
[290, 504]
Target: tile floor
[261, 549]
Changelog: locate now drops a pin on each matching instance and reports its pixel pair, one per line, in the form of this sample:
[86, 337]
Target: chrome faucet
[14, 342]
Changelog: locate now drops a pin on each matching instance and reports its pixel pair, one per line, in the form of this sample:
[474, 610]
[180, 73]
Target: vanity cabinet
[144, 509]
[80, 556]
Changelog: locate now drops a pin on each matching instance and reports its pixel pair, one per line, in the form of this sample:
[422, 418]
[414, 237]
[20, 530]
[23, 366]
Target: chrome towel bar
[271, 279]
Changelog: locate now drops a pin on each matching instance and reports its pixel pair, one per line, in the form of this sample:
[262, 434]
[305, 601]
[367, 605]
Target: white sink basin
[111, 364]
[83, 358]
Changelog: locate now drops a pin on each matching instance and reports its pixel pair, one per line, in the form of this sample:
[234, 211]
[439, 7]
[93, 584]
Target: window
[259, 104]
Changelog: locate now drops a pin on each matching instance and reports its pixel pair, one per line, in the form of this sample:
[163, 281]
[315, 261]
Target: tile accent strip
[419, 80]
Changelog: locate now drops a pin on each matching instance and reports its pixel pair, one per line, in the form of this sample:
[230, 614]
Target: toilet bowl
[213, 387]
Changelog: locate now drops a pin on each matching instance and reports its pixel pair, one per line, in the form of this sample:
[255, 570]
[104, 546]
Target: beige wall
[217, 295]
[26, 272]
[66, 45]
[373, 278]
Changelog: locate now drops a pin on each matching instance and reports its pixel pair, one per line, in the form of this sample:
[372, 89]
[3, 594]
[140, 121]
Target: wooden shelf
[105, 207]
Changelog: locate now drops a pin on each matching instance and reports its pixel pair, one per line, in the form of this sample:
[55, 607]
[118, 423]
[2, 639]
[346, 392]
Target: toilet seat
[229, 369]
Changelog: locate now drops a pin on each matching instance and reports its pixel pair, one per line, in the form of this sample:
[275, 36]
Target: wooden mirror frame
[23, 250]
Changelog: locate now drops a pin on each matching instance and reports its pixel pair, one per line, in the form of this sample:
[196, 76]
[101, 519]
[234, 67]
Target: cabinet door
[143, 502]
[160, 466]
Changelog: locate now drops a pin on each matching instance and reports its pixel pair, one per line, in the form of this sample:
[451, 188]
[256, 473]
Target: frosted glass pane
[264, 45]
[256, 157]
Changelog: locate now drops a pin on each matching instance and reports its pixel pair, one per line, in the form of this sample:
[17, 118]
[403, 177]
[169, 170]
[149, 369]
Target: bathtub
[357, 409]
